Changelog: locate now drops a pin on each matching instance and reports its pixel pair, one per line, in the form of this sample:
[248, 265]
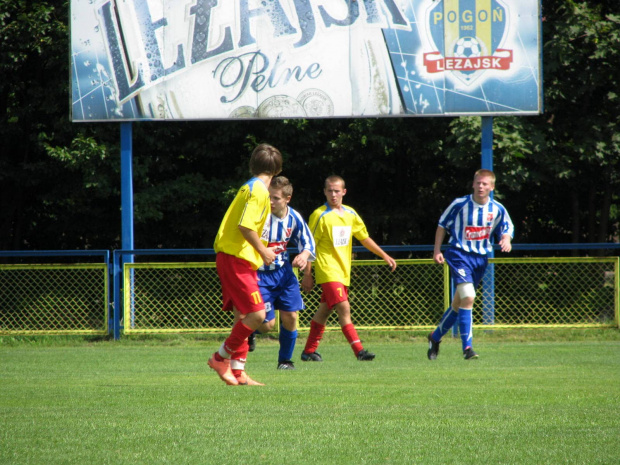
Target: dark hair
[265, 159]
[282, 183]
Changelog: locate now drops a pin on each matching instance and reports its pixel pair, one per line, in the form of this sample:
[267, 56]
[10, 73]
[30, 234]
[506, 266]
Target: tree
[60, 182]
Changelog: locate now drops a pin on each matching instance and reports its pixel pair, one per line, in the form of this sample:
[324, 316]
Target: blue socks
[447, 321]
[287, 344]
[465, 327]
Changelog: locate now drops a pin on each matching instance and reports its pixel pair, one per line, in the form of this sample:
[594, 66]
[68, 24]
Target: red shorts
[334, 293]
[239, 284]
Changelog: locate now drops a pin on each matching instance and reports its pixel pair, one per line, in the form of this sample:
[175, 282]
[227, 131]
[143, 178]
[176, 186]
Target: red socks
[315, 336]
[351, 334]
[236, 344]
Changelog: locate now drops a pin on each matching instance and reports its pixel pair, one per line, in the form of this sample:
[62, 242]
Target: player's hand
[300, 262]
[438, 257]
[505, 244]
[268, 256]
[390, 261]
[307, 283]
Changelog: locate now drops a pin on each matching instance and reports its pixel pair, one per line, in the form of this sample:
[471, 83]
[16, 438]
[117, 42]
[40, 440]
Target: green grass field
[529, 399]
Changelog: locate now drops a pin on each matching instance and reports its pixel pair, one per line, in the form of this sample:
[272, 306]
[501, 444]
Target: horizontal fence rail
[165, 290]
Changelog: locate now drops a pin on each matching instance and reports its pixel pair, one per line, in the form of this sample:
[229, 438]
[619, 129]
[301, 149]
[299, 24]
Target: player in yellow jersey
[240, 252]
[334, 226]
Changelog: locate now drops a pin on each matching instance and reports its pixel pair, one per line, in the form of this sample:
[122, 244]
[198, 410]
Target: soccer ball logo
[467, 47]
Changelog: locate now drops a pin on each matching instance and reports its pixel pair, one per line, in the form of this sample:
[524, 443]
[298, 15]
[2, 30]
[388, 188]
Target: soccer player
[471, 222]
[333, 226]
[278, 283]
[240, 252]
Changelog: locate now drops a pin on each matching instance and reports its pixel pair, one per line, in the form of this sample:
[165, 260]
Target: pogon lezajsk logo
[468, 37]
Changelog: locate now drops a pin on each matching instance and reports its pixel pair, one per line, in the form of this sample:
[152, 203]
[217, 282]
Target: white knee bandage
[466, 290]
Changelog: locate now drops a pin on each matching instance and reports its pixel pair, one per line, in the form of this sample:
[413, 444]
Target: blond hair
[333, 179]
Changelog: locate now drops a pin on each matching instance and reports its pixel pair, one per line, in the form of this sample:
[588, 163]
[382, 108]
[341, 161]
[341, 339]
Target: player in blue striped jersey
[471, 223]
[285, 229]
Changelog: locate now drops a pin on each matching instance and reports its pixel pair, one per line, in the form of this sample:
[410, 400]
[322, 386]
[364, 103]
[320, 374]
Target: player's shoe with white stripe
[286, 365]
[433, 348]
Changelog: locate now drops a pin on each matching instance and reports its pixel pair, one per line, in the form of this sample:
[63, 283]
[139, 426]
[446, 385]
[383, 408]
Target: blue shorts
[465, 267]
[280, 291]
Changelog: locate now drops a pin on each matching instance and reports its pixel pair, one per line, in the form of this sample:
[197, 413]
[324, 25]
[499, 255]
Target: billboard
[220, 59]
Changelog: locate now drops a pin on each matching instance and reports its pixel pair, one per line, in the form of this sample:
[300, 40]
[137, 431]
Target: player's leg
[240, 293]
[332, 293]
[289, 302]
[478, 264]
[287, 338]
[467, 294]
[317, 328]
[445, 324]
[268, 324]
[343, 309]
[268, 285]
[238, 359]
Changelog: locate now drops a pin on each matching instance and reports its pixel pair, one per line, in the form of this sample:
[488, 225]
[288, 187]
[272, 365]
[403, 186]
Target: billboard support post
[488, 282]
[127, 239]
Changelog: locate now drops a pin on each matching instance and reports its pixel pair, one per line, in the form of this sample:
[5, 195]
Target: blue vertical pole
[126, 210]
[127, 185]
[488, 282]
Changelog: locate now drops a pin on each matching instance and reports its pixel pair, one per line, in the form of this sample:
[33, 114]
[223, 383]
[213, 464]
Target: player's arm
[374, 248]
[440, 234]
[253, 238]
[508, 231]
[301, 260]
[307, 282]
[305, 243]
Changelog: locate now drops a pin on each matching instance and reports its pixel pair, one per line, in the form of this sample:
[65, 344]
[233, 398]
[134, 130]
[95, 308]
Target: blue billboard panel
[220, 59]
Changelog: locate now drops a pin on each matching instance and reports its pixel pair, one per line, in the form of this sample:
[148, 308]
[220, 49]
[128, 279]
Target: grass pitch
[527, 400]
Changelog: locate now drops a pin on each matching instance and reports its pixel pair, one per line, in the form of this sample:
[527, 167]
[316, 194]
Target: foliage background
[558, 173]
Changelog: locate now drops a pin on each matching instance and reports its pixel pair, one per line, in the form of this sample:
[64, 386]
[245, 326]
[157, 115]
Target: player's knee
[467, 293]
[267, 326]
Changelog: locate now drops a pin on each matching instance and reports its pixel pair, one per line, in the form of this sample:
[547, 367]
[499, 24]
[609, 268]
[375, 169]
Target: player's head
[280, 193]
[483, 185]
[334, 178]
[283, 184]
[334, 191]
[265, 159]
[485, 173]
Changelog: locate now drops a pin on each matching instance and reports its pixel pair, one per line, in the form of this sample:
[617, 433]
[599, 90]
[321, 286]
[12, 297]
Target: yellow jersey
[333, 233]
[250, 208]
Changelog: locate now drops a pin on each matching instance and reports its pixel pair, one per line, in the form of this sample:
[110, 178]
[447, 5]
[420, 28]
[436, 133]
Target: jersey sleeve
[255, 209]
[446, 220]
[505, 225]
[302, 236]
[314, 225]
[359, 229]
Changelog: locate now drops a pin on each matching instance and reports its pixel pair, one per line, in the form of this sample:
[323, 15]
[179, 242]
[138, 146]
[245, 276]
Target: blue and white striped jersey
[279, 232]
[471, 225]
